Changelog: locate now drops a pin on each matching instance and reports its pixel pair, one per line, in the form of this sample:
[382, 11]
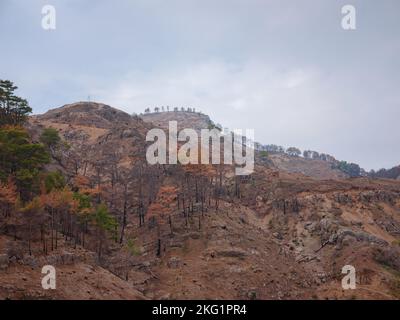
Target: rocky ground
[287, 236]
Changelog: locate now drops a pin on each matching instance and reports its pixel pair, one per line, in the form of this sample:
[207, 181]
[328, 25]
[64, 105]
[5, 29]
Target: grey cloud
[284, 68]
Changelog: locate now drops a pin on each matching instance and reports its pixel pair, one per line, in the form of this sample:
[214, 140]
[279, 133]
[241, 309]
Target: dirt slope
[313, 168]
[275, 235]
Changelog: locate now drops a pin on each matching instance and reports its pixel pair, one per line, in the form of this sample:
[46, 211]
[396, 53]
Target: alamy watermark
[49, 280]
[49, 17]
[349, 280]
[349, 18]
[193, 152]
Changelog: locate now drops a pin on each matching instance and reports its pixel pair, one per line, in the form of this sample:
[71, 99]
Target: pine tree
[105, 224]
[13, 109]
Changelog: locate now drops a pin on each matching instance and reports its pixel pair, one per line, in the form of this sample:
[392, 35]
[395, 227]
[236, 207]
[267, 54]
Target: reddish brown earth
[287, 236]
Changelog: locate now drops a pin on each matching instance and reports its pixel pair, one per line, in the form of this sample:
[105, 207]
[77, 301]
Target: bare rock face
[359, 236]
[231, 252]
[4, 261]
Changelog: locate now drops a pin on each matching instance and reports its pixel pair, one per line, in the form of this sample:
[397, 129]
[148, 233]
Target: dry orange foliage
[200, 169]
[8, 196]
[165, 203]
[83, 183]
[61, 200]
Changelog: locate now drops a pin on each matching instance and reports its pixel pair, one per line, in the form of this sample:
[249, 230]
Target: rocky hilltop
[200, 232]
[192, 120]
[89, 114]
[309, 167]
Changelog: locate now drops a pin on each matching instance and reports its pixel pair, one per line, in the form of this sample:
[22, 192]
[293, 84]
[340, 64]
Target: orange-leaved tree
[8, 197]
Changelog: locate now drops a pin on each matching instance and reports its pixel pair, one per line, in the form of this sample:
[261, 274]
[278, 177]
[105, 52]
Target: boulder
[4, 262]
[252, 294]
[30, 261]
[174, 263]
[232, 253]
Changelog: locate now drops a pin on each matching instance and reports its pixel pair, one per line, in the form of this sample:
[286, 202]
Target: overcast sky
[287, 69]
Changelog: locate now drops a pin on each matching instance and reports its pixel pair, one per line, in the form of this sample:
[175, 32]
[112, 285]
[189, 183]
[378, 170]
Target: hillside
[88, 114]
[199, 232]
[309, 167]
[193, 120]
[393, 173]
[78, 276]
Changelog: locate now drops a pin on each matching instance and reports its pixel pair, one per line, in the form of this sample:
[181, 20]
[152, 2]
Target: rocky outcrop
[343, 198]
[342, 234]
[174, 263]
[4, 262]
[378, 196]
[287, 205]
